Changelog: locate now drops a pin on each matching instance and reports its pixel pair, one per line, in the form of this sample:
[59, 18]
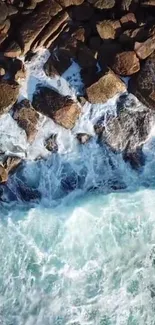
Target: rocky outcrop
[62, 109]
[143, 85]
[105, 88]
[129, 129]
[8, 95]
[126, 63]
[27, 118]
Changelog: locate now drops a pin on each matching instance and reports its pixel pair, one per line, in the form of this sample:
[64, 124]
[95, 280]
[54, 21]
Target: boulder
[3, 174]
[57, 63]
[11, 163]
[83, 137]
[102, 4]
[143, 50]
[51, 143]
[83, 12]
[105, 29]
[62, 109]
[27, 118]
[68, 3]
[13, 50]
[130, 36]
[128, 21]
[129, 129]
[126, 63]
[105, 88]
[143, 84]
[8, 95]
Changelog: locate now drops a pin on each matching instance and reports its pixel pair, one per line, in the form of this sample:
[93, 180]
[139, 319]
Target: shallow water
[84, 253]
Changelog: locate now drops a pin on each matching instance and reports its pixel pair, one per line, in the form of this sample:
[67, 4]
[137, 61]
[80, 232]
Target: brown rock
[51, 143]
[105, 88]
[3, 12]
[130, 36]
[8, 95]
[3, 174]
[2, 71]
[62, 109]
[6, 27]
[12, 163]
[63, 27]
[35, 23]
[83, 12]
[102, 4]
[106, 29]
[143, 50]
[52, 27]
[128, 21]
[27, 118]
[126, 63]
[143, 85]
[83, 137]
[79, 34]
[67, 3]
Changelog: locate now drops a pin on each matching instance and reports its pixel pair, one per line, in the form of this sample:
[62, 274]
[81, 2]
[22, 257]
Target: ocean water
[85, 253]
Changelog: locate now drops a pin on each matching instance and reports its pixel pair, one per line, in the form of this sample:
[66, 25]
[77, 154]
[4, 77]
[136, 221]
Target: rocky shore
[108, 40]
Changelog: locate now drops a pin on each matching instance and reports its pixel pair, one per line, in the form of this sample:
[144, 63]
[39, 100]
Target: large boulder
[8, 95]
[126, 63]
[62, 109]
[105, 88]
[143, 50]
[27, 118]
[129, 129]
[106, 29]
[143, 85]
[102, 4]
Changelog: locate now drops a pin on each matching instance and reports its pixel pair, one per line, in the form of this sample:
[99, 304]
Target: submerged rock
[51, 144]
[8, 95]
[83, 137]
[62, 109]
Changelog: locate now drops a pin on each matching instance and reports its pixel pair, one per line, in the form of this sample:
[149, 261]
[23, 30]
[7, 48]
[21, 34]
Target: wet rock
[8, 95]
[3, 174]
[68, 3]
[128, 21]
[126, 63]
[27, 118]
[128, 130]
[13, 50]
[62, 109]
[83, 137]
[102, 4]
[51, 143]
[27, 193]
[12, 163]
[130, 36]
[79, 34]
[83, 12]
[106, 30]
[135, 158]
[57, 63]
[2, 71]
[105, 88]
[142, 85]
[143, 50]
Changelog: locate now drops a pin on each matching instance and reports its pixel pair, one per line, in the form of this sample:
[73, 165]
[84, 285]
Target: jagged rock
[8, 95]
[143, 85]
[51, 144]
[62, 109]
[83, 137]
[11, 163]
[3, 12]
[130, 36]
[51, 29]
[68, 3]
[83, 12]
[126, 63]
[27, 118]
[128, 21]
[3, 174]
[105, 88]
[63, 28]
[143, 50]
[106, 29]
[34, 24]
[6, 27]
[102, 4]
[57, 63]
[129, 129]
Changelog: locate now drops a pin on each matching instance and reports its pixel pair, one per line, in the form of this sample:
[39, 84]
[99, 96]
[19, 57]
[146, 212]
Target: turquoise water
[88, 263]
